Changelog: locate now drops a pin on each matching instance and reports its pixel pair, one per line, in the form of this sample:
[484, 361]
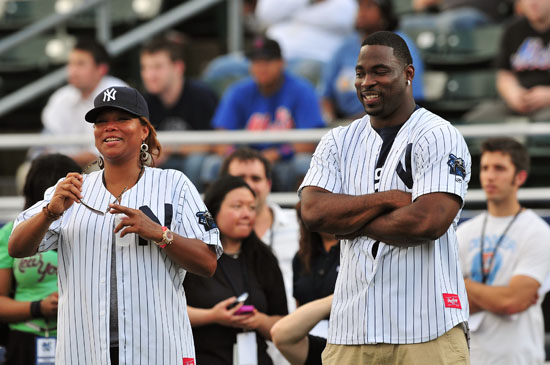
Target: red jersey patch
[451, 301]
[188, 361]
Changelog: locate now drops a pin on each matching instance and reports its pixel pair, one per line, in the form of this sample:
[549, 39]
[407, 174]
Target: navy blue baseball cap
[263, 48]
[119, 97]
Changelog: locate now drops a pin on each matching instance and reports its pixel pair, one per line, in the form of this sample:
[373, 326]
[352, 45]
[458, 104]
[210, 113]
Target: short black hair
[93, 47]
[172, 43]
[214, 196]
[246, 154]
[390, 39]
[518, 153]
[44, 172]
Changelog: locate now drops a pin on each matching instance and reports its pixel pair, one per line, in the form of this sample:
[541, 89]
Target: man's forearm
[343, 214]
[427, 219]
[496, 299]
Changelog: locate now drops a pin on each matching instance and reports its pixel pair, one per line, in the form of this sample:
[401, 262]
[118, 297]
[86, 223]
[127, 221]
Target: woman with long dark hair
[246, 266]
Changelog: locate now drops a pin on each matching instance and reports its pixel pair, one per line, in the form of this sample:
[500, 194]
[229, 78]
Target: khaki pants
[450, 348]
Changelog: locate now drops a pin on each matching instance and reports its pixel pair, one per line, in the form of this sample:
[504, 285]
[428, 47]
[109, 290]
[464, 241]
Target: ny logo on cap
[109, 95]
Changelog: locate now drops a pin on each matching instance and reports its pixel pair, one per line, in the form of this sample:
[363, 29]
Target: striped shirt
[153, 325]
[403, 295]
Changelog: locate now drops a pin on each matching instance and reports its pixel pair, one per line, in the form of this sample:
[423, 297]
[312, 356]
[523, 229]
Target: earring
[100, 162]
[408, 82]
[144, 156]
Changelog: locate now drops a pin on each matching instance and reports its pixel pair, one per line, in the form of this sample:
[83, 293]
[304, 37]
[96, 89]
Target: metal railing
[10, 206]
[174, 138]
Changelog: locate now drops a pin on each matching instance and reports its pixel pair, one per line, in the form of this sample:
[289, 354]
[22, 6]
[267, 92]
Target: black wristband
[35, 309]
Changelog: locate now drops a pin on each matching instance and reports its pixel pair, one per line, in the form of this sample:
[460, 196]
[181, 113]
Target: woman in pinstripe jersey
[122, 303]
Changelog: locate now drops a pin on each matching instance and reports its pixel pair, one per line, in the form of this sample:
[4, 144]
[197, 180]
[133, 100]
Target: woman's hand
[224, 316]
[48, 306]
[66, 193]
[250, 321]
[136, 222]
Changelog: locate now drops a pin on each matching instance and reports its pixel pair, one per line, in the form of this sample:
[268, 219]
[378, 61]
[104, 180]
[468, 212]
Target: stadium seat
[401, 7]
[460, 48]
[120, 12]
[459, 91]
[28, 55]
[15, 14]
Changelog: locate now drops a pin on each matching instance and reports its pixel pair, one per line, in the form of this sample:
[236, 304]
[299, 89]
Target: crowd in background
[298, 72]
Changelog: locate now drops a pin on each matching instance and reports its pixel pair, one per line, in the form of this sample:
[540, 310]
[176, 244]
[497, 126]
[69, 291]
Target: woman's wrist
[49, 214]
[36, 309]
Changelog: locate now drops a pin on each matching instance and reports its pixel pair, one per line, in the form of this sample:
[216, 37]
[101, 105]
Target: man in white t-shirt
[87, 74]
[277, 227]
[505, 258]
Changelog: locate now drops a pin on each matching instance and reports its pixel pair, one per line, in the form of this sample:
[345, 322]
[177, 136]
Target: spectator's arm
[517, 296]
[13, 311]
[219, 314]
[290, 333]
[270, 12]
[329, 15]
[537, 97]
[511, 91]
[421, 5]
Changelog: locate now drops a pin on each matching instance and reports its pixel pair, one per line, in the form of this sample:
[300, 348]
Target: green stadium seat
[15, 14]
[460, 48]
[459, 91]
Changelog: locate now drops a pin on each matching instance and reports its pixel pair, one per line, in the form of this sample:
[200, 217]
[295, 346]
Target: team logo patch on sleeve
[206, 219]
[451, 301]
[456, 165]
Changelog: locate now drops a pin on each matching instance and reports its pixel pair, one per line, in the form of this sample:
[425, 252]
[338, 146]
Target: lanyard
[244, 273]
[485, 274]
[36, 327]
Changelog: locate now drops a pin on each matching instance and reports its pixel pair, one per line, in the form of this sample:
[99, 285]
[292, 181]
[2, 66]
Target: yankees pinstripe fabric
[153, 324]
[404, 295]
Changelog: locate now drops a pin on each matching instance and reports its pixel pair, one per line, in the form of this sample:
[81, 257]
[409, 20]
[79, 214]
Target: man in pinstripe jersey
[392, 184]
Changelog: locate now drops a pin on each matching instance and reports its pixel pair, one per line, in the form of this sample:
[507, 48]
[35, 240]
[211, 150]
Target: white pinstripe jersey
[404, 295]
[153, 324]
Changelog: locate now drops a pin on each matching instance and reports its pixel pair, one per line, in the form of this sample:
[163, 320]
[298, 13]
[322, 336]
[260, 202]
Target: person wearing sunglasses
[124, 252]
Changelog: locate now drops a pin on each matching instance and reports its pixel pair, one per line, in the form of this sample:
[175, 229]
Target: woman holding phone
[246, 266]
[120, 280]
